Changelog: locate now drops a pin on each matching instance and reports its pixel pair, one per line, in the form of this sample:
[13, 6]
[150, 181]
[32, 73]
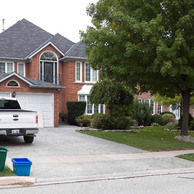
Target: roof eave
[48, 87]
[68, 58]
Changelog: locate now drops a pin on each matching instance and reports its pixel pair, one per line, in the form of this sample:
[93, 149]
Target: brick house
[44, 71]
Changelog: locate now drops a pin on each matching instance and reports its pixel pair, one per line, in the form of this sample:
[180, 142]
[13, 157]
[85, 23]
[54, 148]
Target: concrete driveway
[62, 154]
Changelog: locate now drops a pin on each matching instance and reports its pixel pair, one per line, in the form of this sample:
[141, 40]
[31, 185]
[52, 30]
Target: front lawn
[149, 138]
[7, 172]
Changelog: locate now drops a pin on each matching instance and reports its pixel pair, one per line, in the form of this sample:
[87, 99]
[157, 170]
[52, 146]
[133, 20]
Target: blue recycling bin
[21, 166]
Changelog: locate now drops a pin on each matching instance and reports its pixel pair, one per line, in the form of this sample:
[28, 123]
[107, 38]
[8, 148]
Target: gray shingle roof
[77, 51]
[21, 39]
[32, 82]
[24, 38]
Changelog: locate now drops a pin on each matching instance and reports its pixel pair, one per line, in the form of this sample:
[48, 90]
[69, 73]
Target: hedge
[75, 109]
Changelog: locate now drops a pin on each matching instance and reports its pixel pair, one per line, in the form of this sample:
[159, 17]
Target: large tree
[146, 43]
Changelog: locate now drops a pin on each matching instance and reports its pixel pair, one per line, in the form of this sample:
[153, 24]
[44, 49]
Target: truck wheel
[28, 139]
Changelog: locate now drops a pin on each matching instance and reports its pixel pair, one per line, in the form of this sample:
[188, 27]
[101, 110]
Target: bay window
[91, 108]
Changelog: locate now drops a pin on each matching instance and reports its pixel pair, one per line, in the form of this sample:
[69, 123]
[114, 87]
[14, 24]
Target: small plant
[84, 119]
[62, 115]
[171, 126]
[155, 125]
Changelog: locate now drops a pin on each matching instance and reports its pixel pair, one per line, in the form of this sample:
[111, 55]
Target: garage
[5, 94]
[43, 103]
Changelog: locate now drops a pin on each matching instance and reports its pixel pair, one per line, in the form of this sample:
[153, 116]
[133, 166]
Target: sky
[66, 17]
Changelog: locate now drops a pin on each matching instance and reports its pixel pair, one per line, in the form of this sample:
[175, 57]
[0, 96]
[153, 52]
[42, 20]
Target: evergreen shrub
[75, 109]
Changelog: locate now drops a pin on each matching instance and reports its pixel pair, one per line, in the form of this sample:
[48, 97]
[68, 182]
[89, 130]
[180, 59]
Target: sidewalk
[135, 165]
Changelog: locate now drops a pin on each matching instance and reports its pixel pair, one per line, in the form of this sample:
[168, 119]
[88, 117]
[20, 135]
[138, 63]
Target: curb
[26, 181]
[15, 180]
[146, 173]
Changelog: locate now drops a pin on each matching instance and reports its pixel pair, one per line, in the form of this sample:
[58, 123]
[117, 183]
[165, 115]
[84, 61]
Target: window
[6, 67]
[78, 72]
[91, 75]
[49, 67]
[21, 69]
[159, 108]
[13, 83]
[151, 104]
[91, 108]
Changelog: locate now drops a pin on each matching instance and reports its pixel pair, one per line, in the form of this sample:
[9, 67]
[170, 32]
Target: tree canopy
[145, 43]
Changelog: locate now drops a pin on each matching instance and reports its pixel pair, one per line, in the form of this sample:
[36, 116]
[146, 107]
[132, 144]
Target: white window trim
[6, 65]
[11, 81]
[24, 68]
[149, 102]
[161, 107]
[80, 71]
[91, 70]
[85, 99]
[54, 73]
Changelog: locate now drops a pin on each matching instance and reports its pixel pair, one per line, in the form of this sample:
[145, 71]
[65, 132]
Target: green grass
[187, 156]
[149, 138]
[7, 172]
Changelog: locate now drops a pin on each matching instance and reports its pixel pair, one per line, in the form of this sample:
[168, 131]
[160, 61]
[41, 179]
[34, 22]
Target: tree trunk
[185, 117]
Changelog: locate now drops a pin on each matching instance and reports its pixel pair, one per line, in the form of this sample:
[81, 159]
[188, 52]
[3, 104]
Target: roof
[24, 38]
[77, 51]
[31, 82]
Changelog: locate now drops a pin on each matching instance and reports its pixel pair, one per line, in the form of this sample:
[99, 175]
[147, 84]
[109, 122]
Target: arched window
[49, 67]
[12, 83]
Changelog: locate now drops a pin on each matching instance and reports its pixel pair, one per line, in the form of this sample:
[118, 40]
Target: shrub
[142, 113]
[171, 126]
[75, 109]
[167, 112]
[85, 119]
[155, 125]
[134, 122]
[121, 122]
[167, 118]
[96, 115]
[103, 121]
[191, 125]
[158, 119]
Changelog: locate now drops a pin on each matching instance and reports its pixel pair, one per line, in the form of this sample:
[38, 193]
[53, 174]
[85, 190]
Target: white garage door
[43, 103]
[5, 94]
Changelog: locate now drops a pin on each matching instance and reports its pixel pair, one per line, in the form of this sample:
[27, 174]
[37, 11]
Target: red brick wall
[68, 80]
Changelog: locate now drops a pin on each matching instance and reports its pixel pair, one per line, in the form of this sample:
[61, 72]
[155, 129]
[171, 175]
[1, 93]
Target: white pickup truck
[17, 122]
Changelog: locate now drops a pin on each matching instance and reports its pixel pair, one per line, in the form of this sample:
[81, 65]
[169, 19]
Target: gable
[24, 39]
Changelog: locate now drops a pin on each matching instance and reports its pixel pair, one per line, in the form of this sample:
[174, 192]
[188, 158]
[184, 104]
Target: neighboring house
[44, 71]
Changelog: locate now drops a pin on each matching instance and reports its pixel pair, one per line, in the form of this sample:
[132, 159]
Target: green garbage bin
[3, 154]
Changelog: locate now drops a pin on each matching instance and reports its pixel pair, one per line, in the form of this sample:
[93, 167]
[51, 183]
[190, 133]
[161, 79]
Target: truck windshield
[9, 104]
